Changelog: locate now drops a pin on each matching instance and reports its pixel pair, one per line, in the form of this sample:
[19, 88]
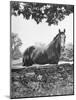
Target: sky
[32, 33]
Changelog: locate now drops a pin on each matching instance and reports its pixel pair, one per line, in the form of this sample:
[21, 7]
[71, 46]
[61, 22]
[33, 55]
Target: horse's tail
[23, 61]
[24, 58]
[27, 60]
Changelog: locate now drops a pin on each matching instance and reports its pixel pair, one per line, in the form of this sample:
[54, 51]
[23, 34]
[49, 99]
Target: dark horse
[49, 54]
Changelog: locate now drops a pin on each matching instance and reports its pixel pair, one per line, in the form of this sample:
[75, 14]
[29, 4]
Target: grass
[49, 80]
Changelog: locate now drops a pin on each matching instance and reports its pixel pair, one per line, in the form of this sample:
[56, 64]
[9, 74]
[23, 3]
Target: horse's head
[62, 38]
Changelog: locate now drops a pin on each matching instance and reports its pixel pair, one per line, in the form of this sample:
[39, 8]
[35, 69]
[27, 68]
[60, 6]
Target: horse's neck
[54, 46]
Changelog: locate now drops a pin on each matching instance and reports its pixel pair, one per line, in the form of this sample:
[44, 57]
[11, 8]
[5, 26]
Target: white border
[5, 48]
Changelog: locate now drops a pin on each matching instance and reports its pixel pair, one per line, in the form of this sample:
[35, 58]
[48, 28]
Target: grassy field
[48, 80]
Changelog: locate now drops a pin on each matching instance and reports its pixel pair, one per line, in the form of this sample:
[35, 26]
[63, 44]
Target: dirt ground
[36, 81]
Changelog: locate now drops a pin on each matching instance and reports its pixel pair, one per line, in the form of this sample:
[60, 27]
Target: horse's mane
[52, 46]
[56, 36]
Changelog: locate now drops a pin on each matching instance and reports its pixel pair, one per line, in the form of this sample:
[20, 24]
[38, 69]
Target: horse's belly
[53, 60]
[41, 59]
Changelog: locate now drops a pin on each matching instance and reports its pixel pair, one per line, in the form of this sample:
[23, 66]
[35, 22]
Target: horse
[49, 54]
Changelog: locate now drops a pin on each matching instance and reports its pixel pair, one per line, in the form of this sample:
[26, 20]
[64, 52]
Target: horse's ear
[59, 30]
[64, 30]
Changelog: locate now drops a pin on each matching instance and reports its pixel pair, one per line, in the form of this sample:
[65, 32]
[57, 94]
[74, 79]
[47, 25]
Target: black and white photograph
[41, 49]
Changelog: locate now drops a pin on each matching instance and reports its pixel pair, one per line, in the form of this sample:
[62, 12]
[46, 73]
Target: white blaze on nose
[62, 41]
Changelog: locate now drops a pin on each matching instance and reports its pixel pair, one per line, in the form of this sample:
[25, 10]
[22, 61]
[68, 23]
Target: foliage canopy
[39, 11]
